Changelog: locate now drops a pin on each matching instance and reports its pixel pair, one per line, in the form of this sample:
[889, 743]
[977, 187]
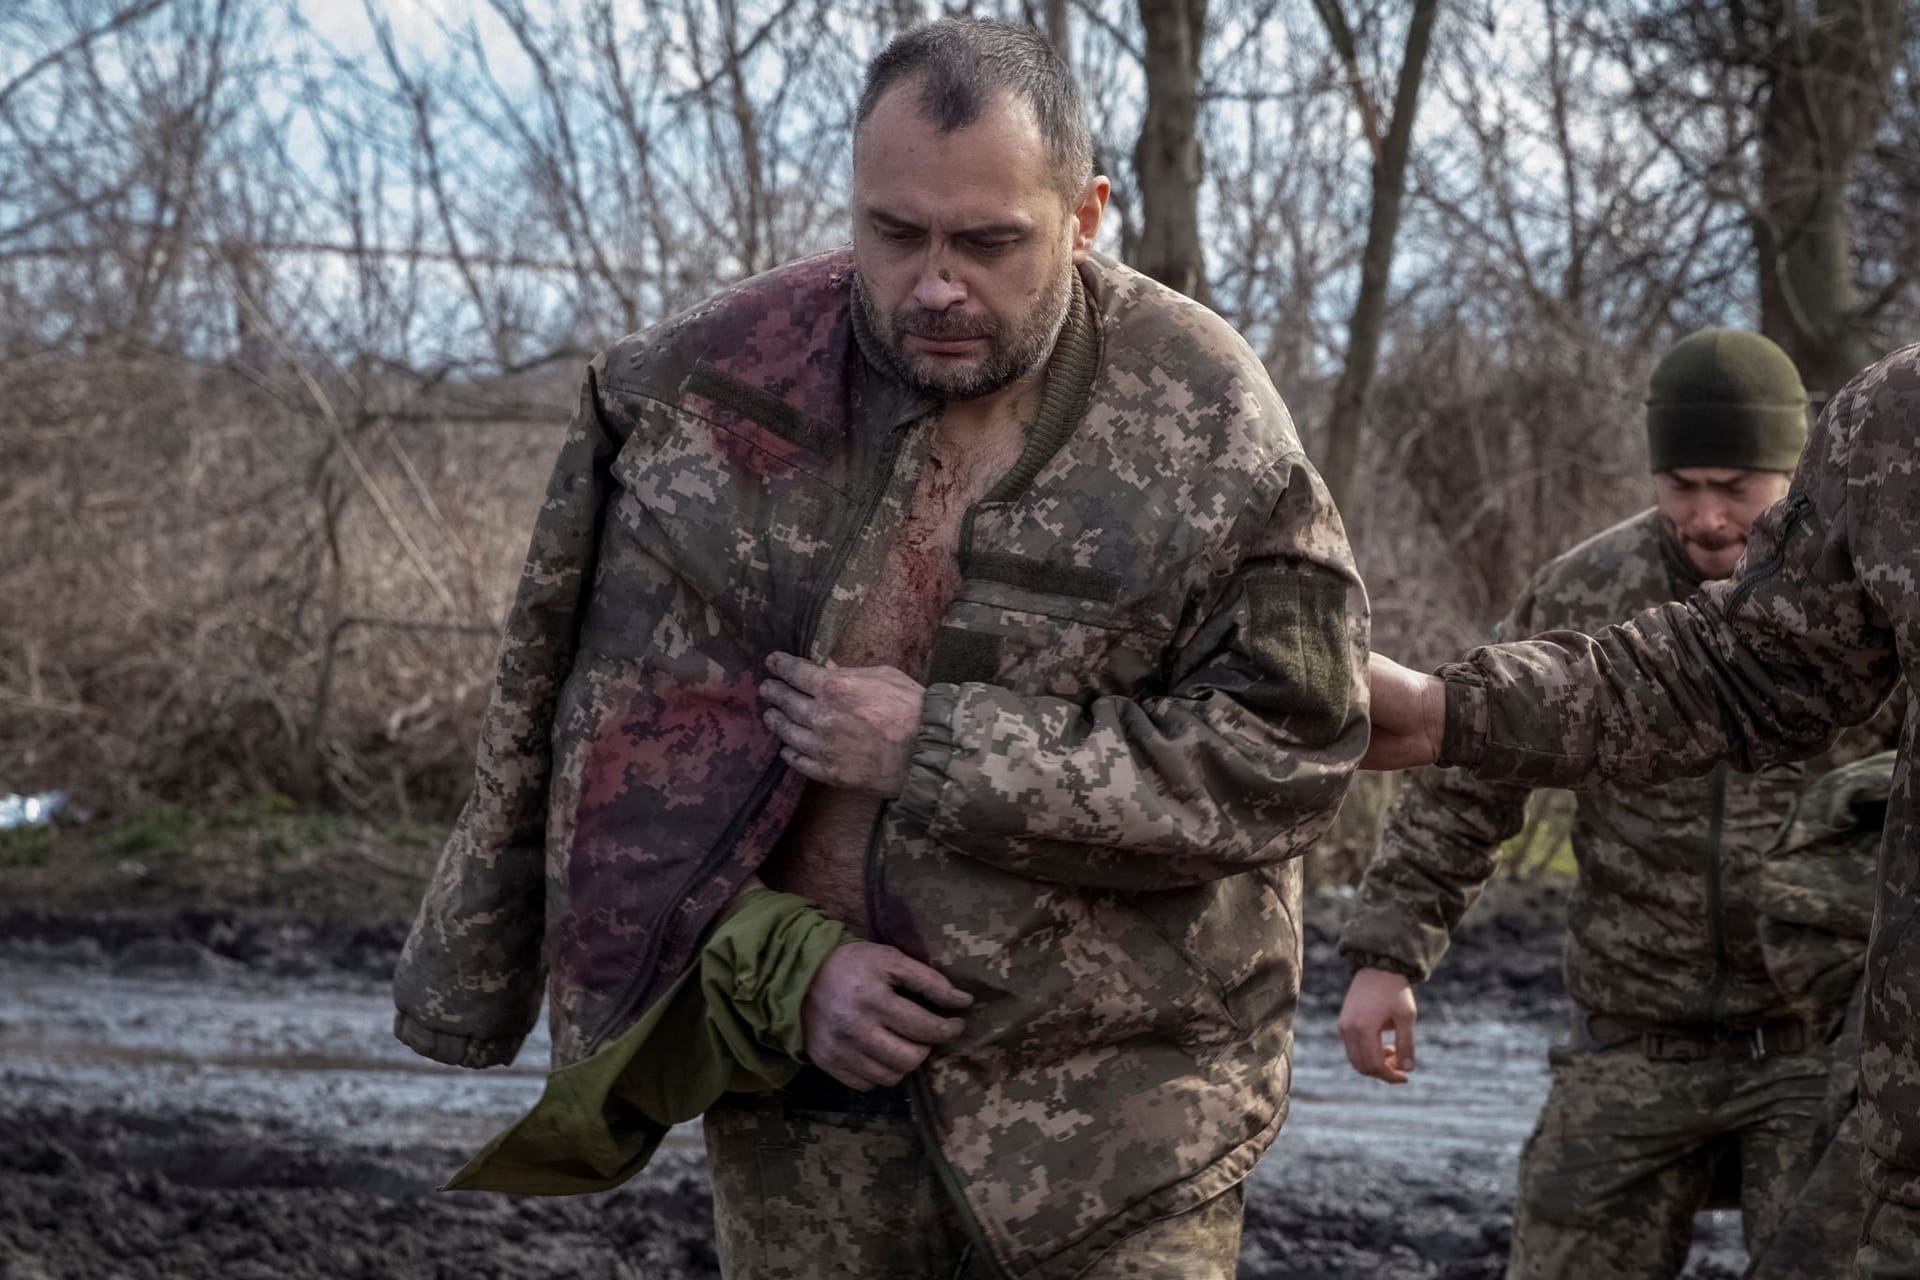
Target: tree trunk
[1370, 307]
[1167, 156]
[1826, 93]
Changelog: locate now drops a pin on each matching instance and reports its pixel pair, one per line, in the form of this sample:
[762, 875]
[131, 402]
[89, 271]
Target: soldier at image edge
[1811, 634]
[932, 661]
[1687, 1069]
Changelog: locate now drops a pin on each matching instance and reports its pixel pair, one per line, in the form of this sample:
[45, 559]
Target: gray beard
[1007, 360]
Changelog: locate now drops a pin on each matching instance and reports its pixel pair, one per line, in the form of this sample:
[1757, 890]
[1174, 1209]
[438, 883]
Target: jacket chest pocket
[1046, 644]
[741, 516]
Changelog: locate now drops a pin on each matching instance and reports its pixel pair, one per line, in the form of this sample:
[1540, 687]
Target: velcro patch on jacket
[764, 408]
[961, 657]
[1298, 625]
[1043, 575]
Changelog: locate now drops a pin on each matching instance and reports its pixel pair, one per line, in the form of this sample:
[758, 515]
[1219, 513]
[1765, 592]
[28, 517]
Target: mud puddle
[231, 1123]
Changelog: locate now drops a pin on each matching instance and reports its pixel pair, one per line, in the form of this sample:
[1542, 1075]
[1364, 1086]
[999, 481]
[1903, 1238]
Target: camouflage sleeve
[1243, 760]
[1760, 668]
[1439, 848]
[470, 977]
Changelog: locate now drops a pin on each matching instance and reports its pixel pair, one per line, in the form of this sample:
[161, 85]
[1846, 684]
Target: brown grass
[185, 541]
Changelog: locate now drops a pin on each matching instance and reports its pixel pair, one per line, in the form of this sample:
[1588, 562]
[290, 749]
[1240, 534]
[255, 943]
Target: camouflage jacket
[1815, 892]
[1662, 924]
[1811, 633]
[1146, 702]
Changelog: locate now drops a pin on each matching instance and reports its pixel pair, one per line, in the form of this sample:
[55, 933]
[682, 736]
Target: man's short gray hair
[961, 63]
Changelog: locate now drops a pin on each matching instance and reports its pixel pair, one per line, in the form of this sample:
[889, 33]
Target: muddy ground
[212, 1093]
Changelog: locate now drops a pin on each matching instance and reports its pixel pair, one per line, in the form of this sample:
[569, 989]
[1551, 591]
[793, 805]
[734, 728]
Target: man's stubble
[1009, 357]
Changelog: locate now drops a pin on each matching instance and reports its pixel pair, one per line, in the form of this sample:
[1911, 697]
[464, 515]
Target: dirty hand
[850, 727]
[1378, 1002]
[859, 1026]
[1409, 713]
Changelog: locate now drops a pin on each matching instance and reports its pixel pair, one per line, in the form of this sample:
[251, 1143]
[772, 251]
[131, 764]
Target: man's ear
[1088, 210]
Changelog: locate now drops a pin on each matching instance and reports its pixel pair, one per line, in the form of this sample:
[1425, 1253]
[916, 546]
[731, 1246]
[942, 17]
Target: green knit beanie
[1726, 398]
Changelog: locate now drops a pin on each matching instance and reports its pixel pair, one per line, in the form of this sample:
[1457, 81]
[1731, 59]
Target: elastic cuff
[1358, 960]
[1463, 742]
[454, 1049]
[932, 750]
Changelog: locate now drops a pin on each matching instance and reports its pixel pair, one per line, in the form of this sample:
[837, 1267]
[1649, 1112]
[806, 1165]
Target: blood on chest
[894, 623]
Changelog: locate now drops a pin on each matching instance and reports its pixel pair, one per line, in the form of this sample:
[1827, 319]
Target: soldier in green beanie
[1687, 1069]
[1726, 420]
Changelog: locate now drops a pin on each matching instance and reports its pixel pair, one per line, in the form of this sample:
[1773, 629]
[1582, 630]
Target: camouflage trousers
[1628, 1148]
[1890, 1244]
[811, 1194]
[1821, 1229]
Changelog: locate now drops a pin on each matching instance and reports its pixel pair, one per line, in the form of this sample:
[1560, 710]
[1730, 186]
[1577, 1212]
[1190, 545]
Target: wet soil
[214, 1093]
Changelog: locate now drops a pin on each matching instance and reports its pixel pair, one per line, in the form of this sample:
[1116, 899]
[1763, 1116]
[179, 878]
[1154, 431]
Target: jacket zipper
[1716, 912]
[630, 993]
[1799, 507]
[764, 785]
[921, 1093]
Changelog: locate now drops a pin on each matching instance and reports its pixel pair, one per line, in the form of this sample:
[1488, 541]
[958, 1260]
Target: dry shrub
[1487, 460]
[185, 541]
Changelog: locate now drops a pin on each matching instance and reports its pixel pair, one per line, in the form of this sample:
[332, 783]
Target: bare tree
[1390, 147]
[1803, 89]
[1166, 159]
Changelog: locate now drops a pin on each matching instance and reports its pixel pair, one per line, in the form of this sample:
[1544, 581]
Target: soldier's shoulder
[1166, 352]
[771, 325]
[1629, 547]
[1880, 407]
[1620, 561]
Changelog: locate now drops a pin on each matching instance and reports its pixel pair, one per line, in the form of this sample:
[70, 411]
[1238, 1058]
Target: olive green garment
[730, 1022]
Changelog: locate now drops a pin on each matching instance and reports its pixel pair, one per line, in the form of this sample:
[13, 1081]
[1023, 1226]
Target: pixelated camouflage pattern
[1099, 838]
[1626, 1151]
[1663, 922]
[1149, 698]
[625, 787]
[1815, 887]
[815, 1195]
[1817, 899]
[1817, 1237]
[1810, 634]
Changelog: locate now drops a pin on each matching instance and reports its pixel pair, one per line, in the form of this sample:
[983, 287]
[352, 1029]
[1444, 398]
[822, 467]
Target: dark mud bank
[214, 1093]
[102, 1194]
[205, 942]
[1506, 955]
[86, 1195]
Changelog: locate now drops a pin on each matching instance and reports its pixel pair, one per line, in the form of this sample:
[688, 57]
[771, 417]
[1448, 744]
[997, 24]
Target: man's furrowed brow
[983, 230]
[892, 222]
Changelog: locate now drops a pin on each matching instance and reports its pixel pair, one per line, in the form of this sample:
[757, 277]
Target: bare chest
[822, 855]
[895, 622]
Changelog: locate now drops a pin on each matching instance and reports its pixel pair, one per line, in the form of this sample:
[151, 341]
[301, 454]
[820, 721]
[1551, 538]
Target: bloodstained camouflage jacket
[1663, 925]
[1146, 702]
[1811, 633]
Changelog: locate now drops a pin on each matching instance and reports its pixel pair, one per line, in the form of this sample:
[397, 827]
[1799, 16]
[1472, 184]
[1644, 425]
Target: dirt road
[176, 1105]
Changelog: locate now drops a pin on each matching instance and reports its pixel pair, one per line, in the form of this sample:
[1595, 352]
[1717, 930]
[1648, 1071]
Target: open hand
[850, 727]
[859, 1027]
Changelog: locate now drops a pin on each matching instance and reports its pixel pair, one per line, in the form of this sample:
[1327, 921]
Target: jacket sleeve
[1244, 760]
[1437, 851]
[1760, 668]
[470, 977]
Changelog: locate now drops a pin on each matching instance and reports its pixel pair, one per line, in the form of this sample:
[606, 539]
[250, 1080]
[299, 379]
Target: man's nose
[1708, 517]
[938, 288]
